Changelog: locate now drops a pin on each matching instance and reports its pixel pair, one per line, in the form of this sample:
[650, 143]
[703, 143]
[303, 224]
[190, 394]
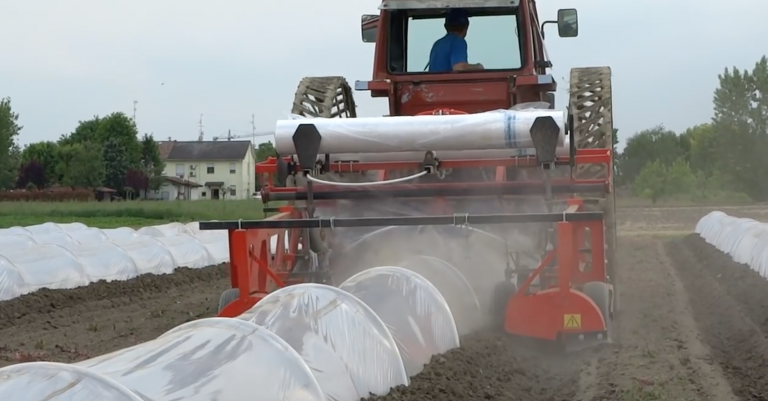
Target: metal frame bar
[445, 220]
[435, 190]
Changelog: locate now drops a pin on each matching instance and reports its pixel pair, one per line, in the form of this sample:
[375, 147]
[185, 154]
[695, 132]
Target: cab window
[492, 40]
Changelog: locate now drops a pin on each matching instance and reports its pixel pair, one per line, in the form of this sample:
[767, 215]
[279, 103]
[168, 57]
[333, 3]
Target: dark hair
[455, 28]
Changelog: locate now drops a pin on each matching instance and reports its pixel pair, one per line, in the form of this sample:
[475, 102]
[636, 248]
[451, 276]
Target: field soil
[77, 324]
[692, 326]
[677, 220]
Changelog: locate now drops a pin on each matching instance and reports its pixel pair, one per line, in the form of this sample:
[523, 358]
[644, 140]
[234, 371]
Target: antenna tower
[202, 133]
[253, 128]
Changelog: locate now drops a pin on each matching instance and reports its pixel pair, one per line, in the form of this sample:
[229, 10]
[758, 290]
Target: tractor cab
[505, 36]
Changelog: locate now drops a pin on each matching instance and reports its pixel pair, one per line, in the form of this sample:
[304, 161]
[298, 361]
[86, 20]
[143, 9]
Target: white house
[207, 170]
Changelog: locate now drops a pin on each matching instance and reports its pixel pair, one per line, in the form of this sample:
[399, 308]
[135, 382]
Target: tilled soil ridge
[76, 324]
[730, 304]
[656, 354]
[491, 365]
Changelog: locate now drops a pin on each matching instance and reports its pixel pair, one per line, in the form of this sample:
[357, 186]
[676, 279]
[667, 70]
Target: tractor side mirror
[369, 27]
[568, 23]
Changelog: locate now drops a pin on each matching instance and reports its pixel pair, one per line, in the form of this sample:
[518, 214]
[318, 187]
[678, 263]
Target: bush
[58, 195]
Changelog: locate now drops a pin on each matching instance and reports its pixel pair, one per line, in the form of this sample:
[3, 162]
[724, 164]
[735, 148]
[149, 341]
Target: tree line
[723, 158]
[100, 152]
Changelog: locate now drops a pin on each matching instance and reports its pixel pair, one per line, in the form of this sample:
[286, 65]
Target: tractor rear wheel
[324, 97]
[227, 297]
[591, 116]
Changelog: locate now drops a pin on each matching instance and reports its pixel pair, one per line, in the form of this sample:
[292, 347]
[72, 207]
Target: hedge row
[79, 195]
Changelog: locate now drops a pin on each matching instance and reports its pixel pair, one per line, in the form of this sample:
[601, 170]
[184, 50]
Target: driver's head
[457, 21]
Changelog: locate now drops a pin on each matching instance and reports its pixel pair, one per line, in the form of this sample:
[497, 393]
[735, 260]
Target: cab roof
[423, 4]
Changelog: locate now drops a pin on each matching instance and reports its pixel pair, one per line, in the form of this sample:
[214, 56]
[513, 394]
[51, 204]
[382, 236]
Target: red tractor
[452, 140]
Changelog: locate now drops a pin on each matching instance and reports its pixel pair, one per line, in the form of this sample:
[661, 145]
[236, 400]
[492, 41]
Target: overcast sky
[68, 60]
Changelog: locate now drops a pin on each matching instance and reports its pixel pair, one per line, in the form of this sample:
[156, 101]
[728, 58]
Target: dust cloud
[464, 263]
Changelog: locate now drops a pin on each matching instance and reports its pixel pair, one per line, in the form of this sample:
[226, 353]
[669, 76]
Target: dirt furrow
[656, 353]
[729, 303]
[492, 366]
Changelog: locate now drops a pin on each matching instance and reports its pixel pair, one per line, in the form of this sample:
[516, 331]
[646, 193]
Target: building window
[179, 170]
[232, 169]
[202, 195]
[233, 191]
[210, 168]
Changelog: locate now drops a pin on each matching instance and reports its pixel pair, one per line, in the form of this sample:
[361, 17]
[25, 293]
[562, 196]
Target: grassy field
[126, 214]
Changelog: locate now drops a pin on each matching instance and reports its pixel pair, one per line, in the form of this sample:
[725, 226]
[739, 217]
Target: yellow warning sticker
[572, 321]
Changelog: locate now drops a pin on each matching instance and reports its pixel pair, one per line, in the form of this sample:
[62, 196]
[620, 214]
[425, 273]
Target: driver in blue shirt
[449, 53]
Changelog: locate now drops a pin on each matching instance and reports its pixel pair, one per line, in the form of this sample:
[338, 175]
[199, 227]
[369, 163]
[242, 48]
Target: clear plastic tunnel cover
[413, 309]
[211, 359]
[48, 381]
[187, 251]
[104, 261]
[453, 286]
[149, 255]
[49, 266]
[12, 284]
[344, 343]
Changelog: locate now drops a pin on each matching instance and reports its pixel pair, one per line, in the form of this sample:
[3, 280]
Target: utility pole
[253, 149]
[135, 103]
[202, 133]
[253, 129]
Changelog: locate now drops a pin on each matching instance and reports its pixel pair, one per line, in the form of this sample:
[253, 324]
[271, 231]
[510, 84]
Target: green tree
[81, 165]
[650, 181]
[712, 186]
[151, 164]
[86, 131]
[265, 150]
[9, 131]
[14, 160]
[679, 179]
[47, 155]
[704, 153]
[655, 144]
[657, 181]
[616, 157]
[124, 151]
[99, 130]
[122, 129]
[116, 164]
[740, 124]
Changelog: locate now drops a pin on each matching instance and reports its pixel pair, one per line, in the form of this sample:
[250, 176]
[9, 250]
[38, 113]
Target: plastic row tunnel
[308, 342]
[744, 240]
[64, 256]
